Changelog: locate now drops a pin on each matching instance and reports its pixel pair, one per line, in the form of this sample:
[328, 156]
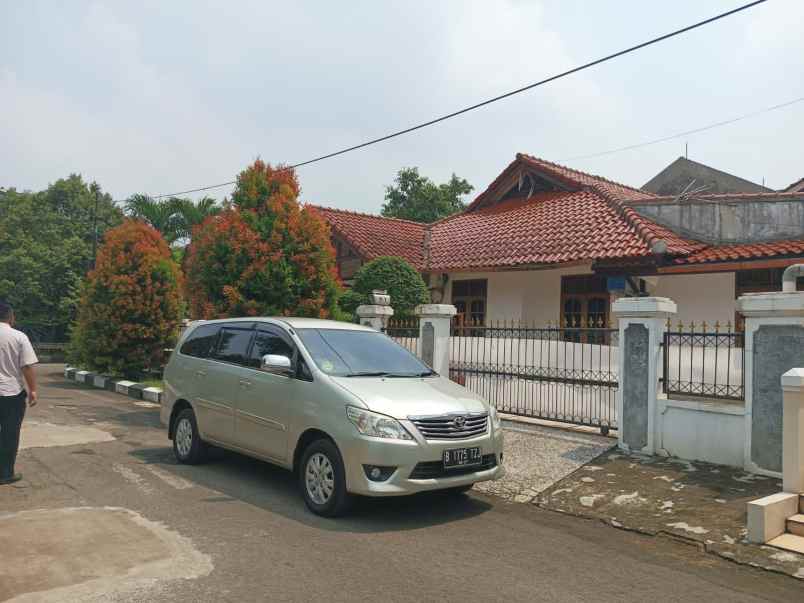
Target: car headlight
[495, 418]
[376, 425]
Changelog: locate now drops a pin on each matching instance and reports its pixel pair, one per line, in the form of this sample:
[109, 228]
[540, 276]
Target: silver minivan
[342, 405]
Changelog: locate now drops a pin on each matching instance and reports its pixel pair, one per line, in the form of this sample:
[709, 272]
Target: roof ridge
[364, 214]
[704, 196]
[587, 174]
[714, 169]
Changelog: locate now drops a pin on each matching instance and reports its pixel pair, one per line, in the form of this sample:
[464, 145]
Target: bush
[402, 281]
[130, 304]
[265, 255]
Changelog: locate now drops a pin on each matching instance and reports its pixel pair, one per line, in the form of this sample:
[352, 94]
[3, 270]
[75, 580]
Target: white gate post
[642, 325]
[376, 314]
[434, 327]
[793, 431]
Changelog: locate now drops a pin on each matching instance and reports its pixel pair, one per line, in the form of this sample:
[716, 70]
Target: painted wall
[702, 431]
[699, 297]
[533, 296]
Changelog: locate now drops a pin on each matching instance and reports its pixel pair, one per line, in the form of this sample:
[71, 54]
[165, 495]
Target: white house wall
[700, 297]
[527, 295]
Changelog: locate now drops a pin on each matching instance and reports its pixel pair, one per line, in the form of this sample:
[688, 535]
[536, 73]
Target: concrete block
[121, 387]
[99, 381]
[79, 376]
[135, 391]
[152, 394]
[767, 517]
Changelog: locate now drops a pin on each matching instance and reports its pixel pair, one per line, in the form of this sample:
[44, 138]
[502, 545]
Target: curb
[138, 391]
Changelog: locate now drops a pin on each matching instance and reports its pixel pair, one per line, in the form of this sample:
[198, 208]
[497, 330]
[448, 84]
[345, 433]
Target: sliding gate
[555, 373]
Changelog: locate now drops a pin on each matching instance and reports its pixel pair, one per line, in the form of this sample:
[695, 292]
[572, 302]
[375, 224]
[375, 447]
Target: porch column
[378, 312]
[793, 431]
[774, 344]
[642, 322]
[434, 328]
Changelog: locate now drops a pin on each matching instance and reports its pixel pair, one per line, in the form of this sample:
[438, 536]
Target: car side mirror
[276, 364]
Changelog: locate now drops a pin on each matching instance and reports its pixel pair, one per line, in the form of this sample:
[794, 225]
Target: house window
[469, 298]
[584, 303]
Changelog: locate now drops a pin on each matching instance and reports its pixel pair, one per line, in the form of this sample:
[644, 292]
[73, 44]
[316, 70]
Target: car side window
[233, 345]
[201, 341]
[268, 341]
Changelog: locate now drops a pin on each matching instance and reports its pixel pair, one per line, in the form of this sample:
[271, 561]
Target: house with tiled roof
[684, 172]
[796, 187]
[546, 242]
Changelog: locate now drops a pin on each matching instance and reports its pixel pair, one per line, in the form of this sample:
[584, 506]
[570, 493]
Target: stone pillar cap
[793, 379]
[644, 307]
[368, 311]
[771, 304]
[435, 310]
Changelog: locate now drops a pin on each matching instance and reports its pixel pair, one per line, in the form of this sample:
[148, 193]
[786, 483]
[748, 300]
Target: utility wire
[491, 100]
[687, 133]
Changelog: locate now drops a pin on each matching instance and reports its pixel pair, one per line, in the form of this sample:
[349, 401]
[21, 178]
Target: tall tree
[130, 303]
[192, 214]
[264, 255]
[416, 197]
[46, 246]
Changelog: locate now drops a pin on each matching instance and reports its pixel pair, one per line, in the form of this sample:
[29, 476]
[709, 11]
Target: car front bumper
[405, 455]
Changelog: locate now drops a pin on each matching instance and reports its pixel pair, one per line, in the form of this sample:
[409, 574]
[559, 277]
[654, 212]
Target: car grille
[445, 427]
[434, 469]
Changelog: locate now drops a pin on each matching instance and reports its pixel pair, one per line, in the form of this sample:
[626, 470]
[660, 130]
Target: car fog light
[378, 473]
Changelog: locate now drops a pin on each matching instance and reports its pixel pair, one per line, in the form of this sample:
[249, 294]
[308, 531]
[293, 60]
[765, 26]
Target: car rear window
[200, 341]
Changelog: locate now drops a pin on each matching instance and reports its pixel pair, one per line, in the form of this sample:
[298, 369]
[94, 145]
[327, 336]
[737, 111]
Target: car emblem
[459, 422]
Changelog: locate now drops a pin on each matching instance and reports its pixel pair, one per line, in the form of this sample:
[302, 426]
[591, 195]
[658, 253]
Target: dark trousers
[12, 411]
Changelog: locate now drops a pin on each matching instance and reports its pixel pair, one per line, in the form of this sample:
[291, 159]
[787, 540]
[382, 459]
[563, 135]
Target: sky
[156, 97]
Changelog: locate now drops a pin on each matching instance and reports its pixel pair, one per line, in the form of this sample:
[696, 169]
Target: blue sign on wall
[615, 283]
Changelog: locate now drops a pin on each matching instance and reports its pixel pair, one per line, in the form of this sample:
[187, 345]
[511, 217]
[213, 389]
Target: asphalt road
[259, 543]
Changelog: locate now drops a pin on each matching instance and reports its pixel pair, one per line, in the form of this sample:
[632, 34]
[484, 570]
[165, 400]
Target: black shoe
[10, 480]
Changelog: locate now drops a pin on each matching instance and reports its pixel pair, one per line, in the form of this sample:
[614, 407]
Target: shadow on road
[240, 478]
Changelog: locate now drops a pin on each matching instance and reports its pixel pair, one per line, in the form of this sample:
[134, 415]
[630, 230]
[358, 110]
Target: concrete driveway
[105, 514]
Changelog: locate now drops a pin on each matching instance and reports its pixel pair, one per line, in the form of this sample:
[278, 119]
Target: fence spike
[692, 326]
[668, 323]
[717, 326]
[703, 326]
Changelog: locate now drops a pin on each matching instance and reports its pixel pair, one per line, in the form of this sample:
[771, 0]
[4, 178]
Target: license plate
[462, 457]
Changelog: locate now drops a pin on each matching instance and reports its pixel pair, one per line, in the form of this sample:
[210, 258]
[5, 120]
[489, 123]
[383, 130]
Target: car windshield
[347, 353]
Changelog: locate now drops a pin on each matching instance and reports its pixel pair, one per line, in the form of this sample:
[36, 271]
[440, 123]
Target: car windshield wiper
[369, 374]
[422, 374]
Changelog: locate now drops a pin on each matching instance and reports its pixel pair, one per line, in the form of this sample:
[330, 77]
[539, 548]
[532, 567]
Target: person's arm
[30, 380]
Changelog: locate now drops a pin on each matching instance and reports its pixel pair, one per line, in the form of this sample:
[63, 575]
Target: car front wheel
[322, 479]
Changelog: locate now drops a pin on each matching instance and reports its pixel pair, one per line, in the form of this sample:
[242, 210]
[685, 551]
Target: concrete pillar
[377, 313]
[642, 323]
[793, 431]
[434, 332]
[774, 344]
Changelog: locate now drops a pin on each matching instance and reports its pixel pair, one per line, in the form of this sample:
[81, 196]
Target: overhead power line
[491, 100]
[686, 133]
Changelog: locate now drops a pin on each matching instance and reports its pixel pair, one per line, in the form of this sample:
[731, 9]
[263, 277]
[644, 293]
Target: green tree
[46, 246]
[192, 214]
[130, 303]
[263, 255]
[416, 197]
[403, 283]
[174, 217]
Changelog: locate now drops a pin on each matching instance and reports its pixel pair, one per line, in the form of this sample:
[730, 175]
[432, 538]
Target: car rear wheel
[188, 447]
[322, 479]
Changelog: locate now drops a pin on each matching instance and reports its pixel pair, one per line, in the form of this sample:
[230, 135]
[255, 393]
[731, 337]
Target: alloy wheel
[184, 437]
[319, 478]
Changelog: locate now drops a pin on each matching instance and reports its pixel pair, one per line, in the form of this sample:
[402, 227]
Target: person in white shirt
[17, 386]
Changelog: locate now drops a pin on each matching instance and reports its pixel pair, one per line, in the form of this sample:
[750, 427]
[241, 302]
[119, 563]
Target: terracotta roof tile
[726, 253]
[375, 236]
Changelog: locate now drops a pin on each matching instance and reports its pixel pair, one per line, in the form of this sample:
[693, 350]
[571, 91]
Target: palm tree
[192, 214]
[163, 214]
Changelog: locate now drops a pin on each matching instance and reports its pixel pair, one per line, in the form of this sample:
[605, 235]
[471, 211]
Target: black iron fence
[567, 374]
[707, 363]
[405, 332]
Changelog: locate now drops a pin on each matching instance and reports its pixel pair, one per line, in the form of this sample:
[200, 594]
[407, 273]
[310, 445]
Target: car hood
[401, 397]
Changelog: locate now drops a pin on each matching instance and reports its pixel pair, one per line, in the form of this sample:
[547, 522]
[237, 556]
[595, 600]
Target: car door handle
[201, 373]
[244, 383]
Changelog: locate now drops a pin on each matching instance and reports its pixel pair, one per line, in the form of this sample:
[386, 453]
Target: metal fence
[405, 332]
[566, 374]
[707, 363]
